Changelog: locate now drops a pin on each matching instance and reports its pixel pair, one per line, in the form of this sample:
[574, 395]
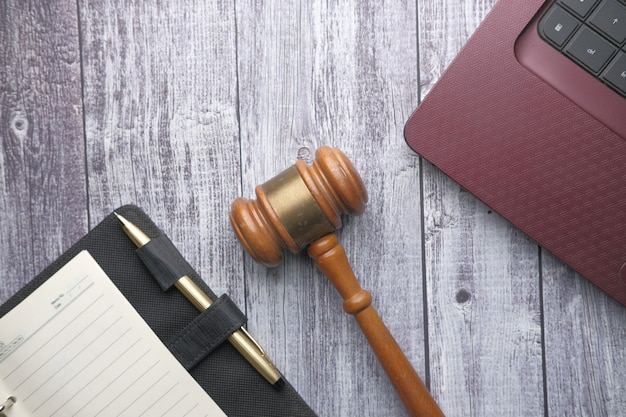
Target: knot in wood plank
[19, 124]
[463, 296]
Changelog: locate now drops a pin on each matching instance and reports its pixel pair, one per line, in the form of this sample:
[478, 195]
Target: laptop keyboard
[592, 33]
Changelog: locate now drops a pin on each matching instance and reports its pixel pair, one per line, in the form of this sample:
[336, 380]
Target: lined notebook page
[76, 347]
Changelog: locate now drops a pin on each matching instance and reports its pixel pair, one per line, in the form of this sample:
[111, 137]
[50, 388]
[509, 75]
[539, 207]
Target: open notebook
[76, 347]
[146, 319]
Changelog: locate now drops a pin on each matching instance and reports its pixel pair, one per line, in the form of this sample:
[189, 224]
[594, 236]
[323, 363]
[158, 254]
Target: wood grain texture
[484, 306]
[584, 344]
[161, 123]
[190, 104]
[42, 164]
[340, 74]
[444, 27]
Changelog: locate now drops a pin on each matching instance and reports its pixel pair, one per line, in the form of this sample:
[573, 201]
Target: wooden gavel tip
[254, 234]
[344, 178]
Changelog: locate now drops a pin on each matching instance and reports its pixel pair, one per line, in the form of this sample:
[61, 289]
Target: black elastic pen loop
[207, 331]
[164, 261]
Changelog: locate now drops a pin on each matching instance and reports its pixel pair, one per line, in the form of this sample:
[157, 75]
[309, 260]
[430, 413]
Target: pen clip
[6, 405]
[253, 340]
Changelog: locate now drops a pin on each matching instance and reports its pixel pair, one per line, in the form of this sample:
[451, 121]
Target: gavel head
[298, 206]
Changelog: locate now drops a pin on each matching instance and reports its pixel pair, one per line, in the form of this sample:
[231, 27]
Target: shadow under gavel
[301, 208]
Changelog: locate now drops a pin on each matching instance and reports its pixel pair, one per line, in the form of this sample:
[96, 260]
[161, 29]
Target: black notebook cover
[224, 374]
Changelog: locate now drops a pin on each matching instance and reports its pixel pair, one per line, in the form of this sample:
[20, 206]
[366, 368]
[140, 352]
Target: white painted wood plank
[341, 74]
[161, 124]
[444, 27]
[484, 306]
[42, 172]
[585, 339]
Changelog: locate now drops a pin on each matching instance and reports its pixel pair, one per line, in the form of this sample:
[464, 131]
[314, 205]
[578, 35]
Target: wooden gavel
[301, 207]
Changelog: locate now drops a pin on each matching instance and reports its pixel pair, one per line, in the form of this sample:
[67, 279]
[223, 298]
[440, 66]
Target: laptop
[530, 117]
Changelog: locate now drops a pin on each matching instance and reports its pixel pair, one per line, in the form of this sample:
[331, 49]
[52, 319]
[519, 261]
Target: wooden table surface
[182, 106]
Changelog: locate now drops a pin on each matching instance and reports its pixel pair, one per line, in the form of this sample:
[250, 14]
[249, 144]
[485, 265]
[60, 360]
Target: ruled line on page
[85, 366]
[76, 347]
[37, 355]
[175, 404]
[116, 378]
[69, 362]
[133, 383]
[188, 412]
[163, 395]
[58, 311]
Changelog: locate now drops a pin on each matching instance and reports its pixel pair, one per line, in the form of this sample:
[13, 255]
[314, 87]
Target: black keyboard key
[591, 33]
[558, 25]
[580, 7]
[590, 49]
[615, 74]
[610, 19]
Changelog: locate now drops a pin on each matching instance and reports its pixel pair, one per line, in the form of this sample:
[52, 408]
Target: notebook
[530, 117]
[97, 312]
[76, 347]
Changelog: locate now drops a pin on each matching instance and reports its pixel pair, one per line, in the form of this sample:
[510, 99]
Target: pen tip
[122, 219]
[279, 384]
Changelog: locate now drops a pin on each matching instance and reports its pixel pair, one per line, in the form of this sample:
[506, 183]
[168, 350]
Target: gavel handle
[331, 259]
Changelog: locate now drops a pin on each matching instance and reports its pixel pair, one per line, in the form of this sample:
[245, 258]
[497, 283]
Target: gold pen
[240, 339]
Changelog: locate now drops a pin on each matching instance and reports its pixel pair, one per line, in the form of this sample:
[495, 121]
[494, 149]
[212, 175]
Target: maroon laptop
[531, 118]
